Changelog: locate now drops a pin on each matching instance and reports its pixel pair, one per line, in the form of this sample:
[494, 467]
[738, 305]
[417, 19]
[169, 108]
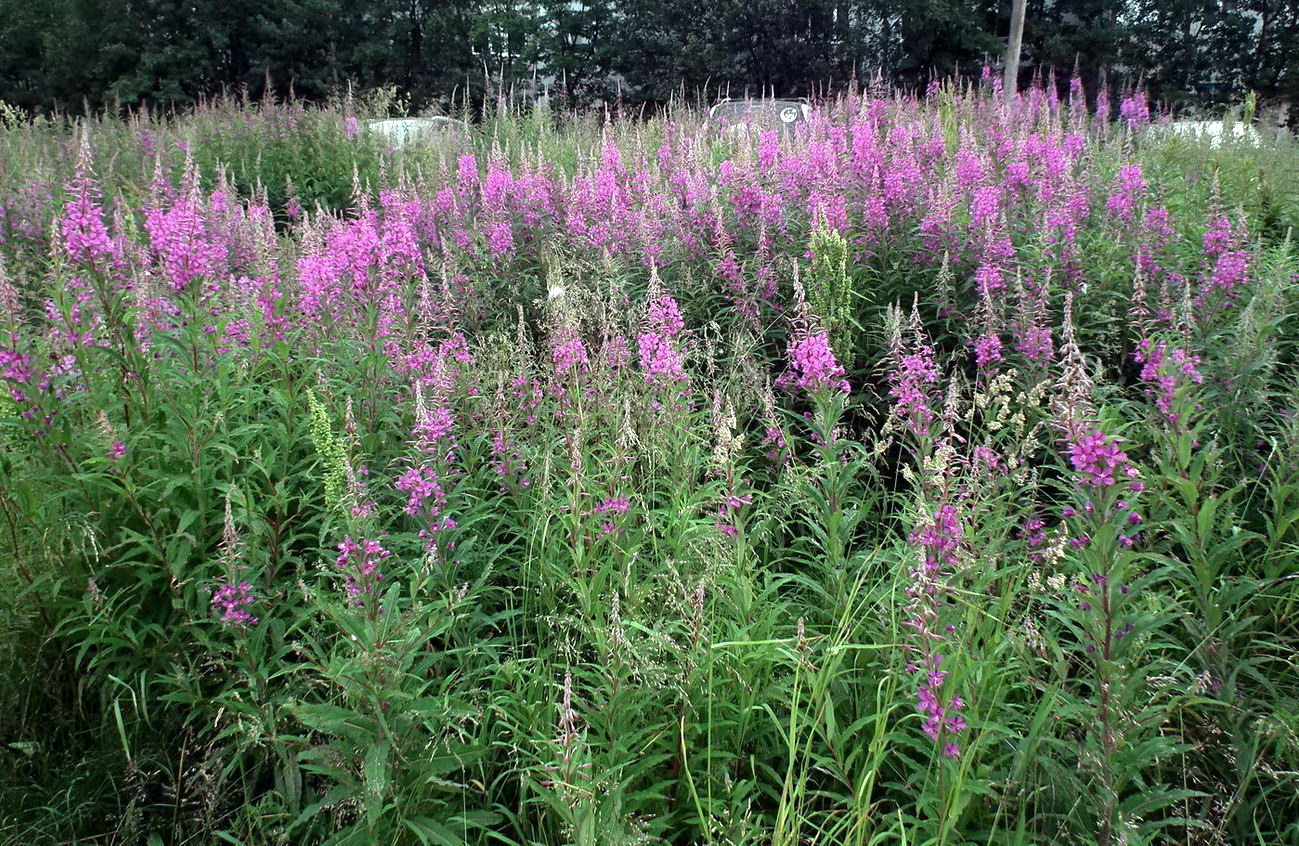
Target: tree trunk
[1010, 79]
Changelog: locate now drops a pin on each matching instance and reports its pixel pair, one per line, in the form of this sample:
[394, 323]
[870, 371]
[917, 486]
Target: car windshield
[759, 111]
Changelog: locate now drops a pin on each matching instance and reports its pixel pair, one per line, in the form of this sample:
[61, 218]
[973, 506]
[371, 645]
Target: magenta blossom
[813, 365]
[1166, 369]
[360, 562]
[1098, 459]
[231, 601]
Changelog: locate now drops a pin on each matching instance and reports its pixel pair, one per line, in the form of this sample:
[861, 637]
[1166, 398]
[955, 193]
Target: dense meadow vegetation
[929, 475]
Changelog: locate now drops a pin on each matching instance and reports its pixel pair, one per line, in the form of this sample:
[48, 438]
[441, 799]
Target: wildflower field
[927, 475]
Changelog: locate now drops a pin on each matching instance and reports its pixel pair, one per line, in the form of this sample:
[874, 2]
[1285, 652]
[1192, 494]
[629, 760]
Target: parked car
[783, 114]
[403, 131]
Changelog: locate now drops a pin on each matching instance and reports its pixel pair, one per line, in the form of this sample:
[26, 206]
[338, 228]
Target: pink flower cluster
[1223, 247]
[939, 540]
[1134, 110]
[912, 375]
[425, 496]
[435, 429]
[1035, 344]
[422, 482]
[508, 462]
[1167, 369]
[608, 510]
[775, 442]
[1122, 203]
[1098, 460]
[360, 562]
[232, 601]
[15, 368]
[728, 508]
[85, 237]
[813, 365]
[569, 355]
[180, 242]
[665, 316]
[660, 357]
[940, 720]
[987, 350]
[1033, 533]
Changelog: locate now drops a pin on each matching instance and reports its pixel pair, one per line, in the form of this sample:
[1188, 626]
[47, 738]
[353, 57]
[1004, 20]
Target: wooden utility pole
[1010, 80]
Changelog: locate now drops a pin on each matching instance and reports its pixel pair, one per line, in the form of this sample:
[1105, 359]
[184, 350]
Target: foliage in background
[79, 57]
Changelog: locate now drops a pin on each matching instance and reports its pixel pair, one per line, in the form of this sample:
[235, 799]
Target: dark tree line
[73, 54]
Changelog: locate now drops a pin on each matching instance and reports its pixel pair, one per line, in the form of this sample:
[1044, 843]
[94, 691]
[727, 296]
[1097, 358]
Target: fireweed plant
[926, 475]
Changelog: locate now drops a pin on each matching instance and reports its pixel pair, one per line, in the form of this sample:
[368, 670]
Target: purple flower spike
[231, 601]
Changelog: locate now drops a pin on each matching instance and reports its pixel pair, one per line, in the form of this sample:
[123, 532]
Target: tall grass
[926, 476]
